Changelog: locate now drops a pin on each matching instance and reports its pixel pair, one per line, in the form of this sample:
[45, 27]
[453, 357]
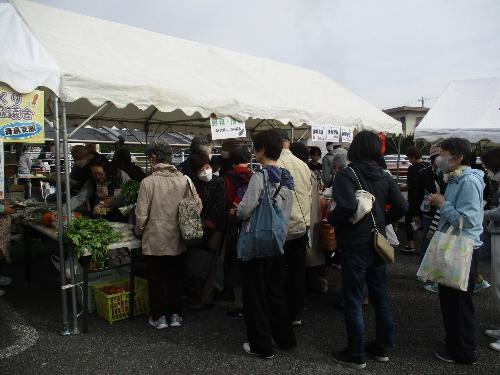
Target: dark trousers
[409, 227]
[264, 305]
[362, 265]
[165, 276]
[458, 318]
[295, 284]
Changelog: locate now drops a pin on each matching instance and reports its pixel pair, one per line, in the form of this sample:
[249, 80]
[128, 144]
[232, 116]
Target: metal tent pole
[68, 217]
[62, 263]
[399, 158]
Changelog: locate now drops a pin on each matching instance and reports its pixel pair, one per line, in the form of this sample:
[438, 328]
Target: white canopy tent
[469, 109]
[107, 74]
[101, 61]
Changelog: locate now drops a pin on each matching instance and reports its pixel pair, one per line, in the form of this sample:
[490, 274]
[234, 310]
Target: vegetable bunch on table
[90, 235]
[130, 191]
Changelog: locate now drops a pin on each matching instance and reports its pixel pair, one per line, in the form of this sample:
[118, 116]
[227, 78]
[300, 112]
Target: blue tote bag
[264, 234]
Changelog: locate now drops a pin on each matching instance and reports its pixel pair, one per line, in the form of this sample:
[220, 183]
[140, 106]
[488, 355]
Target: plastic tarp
[102, 61]
[468, 109]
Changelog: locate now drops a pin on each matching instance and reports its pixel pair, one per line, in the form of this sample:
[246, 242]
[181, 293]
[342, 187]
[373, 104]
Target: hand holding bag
[380, 243]
[448, 259]
[190, 215]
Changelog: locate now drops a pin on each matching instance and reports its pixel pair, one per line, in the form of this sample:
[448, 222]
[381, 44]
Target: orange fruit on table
[47, 219]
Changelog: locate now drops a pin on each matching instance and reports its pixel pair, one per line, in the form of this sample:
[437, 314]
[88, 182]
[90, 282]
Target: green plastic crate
[115, 307]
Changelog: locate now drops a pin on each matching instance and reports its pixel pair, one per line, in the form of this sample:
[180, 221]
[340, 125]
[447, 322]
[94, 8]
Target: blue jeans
[362, 265]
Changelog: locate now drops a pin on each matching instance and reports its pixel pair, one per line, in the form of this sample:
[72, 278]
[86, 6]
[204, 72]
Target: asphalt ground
[208, 342]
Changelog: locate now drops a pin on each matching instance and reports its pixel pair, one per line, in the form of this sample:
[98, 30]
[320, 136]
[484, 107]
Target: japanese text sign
[347, 135]
[318, 133]
[333, 133]
[224, 128]
[2, 177]
[21, 116]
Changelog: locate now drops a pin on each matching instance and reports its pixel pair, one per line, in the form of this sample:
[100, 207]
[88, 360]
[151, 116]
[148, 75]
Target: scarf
[454, 174]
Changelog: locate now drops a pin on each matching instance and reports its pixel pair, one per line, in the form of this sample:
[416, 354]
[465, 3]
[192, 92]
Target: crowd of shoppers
[269, 291]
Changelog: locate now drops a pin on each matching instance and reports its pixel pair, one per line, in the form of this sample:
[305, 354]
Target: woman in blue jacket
[463, 200]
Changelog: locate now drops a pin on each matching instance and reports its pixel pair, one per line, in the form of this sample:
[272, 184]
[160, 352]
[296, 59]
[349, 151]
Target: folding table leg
[27, 253]
[132, 284]
[86, 263]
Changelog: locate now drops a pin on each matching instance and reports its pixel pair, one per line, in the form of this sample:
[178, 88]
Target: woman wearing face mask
[463, 200]
[491, 163]
[212, 192]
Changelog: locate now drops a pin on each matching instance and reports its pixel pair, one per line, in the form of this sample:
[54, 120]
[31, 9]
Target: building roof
[406, 109]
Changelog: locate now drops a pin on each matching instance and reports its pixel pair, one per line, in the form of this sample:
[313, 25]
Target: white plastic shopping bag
[448, 259]
[391, 235]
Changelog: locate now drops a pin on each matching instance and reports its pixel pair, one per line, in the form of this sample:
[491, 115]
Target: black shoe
[408, 250]
[236, 314]
[445, 357]
[374, 351]
[198, 306]
[346, 359]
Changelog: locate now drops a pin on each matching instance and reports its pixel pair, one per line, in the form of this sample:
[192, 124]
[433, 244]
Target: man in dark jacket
[123, 160]
[417, 164]
[429, 181]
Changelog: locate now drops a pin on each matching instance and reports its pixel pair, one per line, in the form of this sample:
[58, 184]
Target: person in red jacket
[236, 181]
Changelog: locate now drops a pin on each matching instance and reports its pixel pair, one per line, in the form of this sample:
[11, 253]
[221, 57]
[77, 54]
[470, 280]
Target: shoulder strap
[373, 207]
[357, 178]
[190, 186]
[277, 192]
[296, 197]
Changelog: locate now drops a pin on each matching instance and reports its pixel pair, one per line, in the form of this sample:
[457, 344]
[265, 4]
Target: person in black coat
[123, 160]
[360, 262]
[429, 181]
[212, 192]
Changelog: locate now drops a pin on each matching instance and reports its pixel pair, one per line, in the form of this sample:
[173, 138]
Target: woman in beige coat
[157, 214]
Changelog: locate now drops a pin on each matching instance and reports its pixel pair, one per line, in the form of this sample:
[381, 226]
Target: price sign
[224, 128]
[347, 135]
[318, 133]
[333, 133]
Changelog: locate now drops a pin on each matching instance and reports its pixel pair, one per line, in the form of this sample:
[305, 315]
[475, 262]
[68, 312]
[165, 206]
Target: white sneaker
[2, 292]
[495, 345]
[161, 323]
[175, 320]
[5, 281]
[480, 286]
[493, 333]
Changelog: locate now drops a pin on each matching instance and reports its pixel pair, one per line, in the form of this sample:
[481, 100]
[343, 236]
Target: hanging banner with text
[21, 116]
[347, 135]
[224, 128]
[318, 133]
[333, 133]
[2, 168]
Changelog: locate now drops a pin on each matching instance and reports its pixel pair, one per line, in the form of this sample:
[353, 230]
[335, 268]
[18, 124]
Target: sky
[390, 52]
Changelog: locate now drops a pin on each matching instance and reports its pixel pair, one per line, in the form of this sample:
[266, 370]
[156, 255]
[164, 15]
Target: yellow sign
[21, 116]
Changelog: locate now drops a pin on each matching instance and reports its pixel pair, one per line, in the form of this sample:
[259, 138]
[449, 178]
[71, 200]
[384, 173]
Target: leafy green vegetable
[130, 191]
[93, 235]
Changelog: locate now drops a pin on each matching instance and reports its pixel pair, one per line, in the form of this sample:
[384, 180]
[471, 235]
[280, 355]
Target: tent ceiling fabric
[105, 135]
[24, 63]
[468, 108]
[135, 69]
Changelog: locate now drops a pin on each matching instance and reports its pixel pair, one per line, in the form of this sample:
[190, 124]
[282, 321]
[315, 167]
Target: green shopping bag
[448, 259]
